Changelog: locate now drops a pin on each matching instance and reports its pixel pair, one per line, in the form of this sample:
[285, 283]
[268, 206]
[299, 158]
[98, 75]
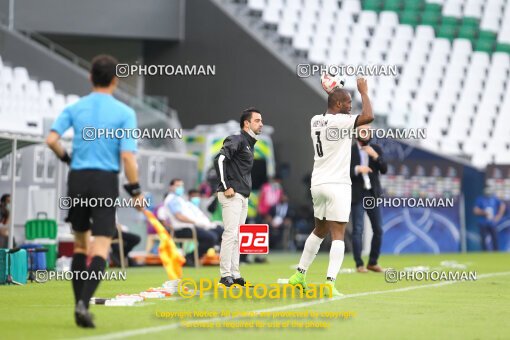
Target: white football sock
[312, 245]
[336, 257]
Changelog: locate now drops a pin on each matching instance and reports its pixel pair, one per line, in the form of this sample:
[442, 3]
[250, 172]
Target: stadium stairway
[453, 56]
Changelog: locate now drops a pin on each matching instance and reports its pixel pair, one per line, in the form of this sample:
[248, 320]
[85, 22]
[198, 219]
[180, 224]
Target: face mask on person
[179, 191]
[195, 201]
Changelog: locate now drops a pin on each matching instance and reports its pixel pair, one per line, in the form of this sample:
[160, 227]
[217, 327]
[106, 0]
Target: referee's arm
[128, 148]
[60, 126]
[53, 143]
[130, 166]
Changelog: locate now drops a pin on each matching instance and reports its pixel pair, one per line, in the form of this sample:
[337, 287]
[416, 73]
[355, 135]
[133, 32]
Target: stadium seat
[430, 18]
[414, 5]
[450, 20]
[388, 18]
[473, 9]
[47, 88]
[468, 32]
[257, 5]
[272, 13]
[484, 45]
[447, 31]
[433, 6]
[287, 26]
[393, 5]
[452, 9]
[6, 76]
[20, 74]
[367, 19]
[351, 7]
[470, 21]
[372, 5]
[424, 33]
[410, 18]
[503, 48]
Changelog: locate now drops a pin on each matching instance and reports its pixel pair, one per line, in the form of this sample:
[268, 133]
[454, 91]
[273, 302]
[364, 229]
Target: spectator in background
[208, 185]
[489, 210]
[269, 196]
[182, 218]
[195, 206]
[280, 219]
[5, 213]
[303, 225]
[129, 240]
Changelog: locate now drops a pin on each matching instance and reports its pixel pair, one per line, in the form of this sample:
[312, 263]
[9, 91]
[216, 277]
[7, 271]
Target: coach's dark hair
[103, 70]
[173, 181]
[246, 115]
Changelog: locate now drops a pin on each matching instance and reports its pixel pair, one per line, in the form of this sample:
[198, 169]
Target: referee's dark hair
[103, 70]
[246, 115]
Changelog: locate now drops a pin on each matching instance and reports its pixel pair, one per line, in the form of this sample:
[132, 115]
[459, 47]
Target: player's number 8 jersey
[332, 140]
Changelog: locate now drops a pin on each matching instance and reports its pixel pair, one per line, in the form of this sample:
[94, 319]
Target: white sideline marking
[143, 331]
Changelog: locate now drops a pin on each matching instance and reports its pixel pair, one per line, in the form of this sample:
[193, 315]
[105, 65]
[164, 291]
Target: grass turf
[463, 310]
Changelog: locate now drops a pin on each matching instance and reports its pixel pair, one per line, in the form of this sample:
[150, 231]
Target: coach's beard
[364, 142]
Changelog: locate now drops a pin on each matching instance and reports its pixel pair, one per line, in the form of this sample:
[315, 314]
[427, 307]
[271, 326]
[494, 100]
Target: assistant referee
[94, 172]
[233, 165]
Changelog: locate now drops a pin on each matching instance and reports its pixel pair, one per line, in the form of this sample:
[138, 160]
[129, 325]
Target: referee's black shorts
[87, 184]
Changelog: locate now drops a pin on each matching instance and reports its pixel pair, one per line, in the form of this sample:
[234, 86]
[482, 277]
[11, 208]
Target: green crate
[3, 265]
[15, 264]
[45, 232]
[18, 262]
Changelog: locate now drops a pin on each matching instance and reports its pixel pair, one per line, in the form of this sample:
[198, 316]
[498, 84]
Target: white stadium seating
[461, 96]
[25, 103]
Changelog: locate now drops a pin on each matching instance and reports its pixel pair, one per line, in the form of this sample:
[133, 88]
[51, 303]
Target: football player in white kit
[331, 183]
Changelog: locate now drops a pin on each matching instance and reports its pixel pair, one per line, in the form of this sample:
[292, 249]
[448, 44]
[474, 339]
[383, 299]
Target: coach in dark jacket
[367, 162]
[233, 165]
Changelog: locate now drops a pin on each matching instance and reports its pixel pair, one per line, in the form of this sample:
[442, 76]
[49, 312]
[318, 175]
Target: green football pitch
[476, 309]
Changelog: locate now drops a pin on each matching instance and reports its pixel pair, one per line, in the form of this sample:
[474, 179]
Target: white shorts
[332, 202]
